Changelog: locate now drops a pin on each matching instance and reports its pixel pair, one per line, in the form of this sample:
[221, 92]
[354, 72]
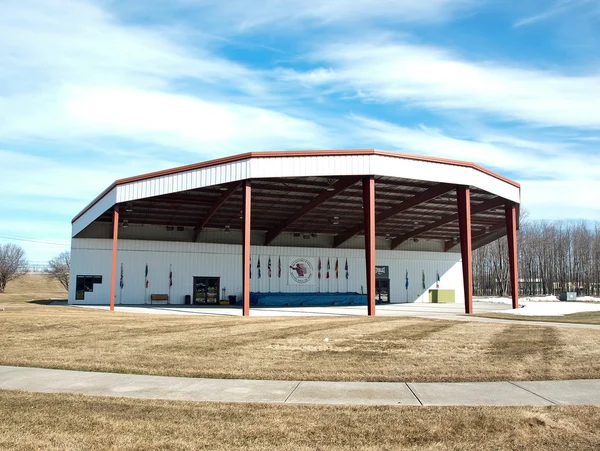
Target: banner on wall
[302, 271]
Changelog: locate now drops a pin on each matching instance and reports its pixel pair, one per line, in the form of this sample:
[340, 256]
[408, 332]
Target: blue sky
[95, 90]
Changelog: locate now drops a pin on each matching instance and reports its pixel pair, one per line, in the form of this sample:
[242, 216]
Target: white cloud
[70, 70]
[435, 78]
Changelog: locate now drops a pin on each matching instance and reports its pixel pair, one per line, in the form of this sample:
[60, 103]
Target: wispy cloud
[559, 7]
[384, 70]
[242, 16]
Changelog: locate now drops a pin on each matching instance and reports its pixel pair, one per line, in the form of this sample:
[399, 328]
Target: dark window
[85, 284]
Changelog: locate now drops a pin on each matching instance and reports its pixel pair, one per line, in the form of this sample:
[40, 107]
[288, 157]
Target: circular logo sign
[301, 270]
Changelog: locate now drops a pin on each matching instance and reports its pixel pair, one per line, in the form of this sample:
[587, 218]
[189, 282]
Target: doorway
[382, 290]
[206, 290]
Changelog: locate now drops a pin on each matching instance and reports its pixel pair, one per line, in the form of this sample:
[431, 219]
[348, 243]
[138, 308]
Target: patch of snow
[553, 308]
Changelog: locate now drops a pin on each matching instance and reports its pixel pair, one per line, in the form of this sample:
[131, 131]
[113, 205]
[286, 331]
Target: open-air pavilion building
[293, 228]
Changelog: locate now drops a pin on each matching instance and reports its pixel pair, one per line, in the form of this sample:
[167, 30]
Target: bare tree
[60, 267]
[12, 264]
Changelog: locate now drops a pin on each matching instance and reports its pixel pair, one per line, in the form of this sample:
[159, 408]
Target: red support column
[463, 196]
[113, 274]
[246, 210]
[369, 211]
[511, 234]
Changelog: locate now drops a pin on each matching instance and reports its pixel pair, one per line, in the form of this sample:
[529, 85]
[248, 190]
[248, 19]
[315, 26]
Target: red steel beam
[214, 208]
[420, 198]
[511, 230]
[368, 184]
[463, 195]
[338, 187]
[113, 274]
[484, 206]
[246, 211]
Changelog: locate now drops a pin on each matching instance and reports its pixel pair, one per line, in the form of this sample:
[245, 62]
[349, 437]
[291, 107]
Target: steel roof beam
[419, 198]
[338, 187]
[480, 208]
[213, 209]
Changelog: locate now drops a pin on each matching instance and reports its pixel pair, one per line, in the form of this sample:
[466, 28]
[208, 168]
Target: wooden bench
[159, 297]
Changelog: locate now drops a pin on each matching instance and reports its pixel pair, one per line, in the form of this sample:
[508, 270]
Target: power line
[32, 240]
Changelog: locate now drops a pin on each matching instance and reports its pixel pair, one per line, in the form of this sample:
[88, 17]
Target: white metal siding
[93, 257]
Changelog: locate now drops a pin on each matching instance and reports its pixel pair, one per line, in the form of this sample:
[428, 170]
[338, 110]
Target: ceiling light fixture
[335, 220]
[125, 223]
[227, 229]
[129, 207]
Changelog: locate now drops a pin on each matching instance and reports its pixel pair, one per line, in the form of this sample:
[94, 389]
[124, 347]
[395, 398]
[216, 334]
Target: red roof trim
[292, 153]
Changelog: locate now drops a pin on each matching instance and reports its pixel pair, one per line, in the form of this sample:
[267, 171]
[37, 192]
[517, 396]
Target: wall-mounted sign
[301, 271]
[382, 272]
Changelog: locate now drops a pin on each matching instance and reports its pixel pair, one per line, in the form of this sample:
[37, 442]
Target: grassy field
[58, 421]
[288, 348]
[581, 317]
[35, 287]
[293, 348]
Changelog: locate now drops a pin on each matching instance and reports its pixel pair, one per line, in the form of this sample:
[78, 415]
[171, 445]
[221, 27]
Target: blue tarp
[306, 299]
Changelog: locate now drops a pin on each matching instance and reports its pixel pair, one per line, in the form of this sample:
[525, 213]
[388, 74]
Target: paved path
[541, 393]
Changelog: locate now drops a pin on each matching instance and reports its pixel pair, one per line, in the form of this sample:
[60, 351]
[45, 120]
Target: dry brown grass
[581, 317]
[36, 287]
[59, 421]
[292, 348]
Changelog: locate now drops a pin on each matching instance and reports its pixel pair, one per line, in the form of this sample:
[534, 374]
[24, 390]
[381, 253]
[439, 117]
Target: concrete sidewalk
[541, 393]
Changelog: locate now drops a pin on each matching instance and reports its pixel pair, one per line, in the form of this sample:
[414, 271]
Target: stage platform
[306, 299]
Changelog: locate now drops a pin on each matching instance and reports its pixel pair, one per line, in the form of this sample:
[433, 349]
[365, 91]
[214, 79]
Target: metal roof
[305, 191]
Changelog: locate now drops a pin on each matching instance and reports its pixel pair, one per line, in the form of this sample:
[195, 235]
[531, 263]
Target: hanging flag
[146, 276]
[406, 283]
[170, 276]
[319, 267]
[121, 283]
[337, 268]
[328, 268]
[258, 267]
[438, 277]
[251, 267]
[346, 268]
[269, 266]
[279, 268]
[423, 279]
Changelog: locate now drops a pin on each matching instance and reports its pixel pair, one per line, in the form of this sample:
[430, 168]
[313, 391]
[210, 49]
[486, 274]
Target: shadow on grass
[45, 301]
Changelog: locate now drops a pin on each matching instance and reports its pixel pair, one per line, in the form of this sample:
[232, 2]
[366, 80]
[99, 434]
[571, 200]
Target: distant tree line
[553, 257]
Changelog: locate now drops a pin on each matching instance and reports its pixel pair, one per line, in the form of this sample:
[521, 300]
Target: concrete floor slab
[475, 394]
[566, 392]
[353, 393]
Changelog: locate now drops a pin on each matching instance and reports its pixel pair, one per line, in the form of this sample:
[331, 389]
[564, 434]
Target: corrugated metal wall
[93, 257]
